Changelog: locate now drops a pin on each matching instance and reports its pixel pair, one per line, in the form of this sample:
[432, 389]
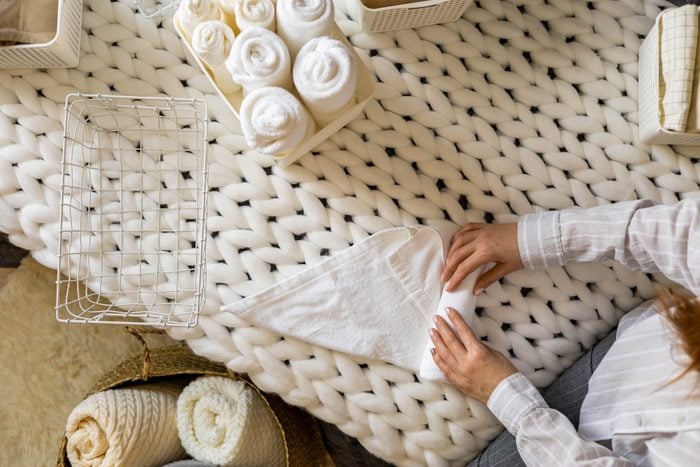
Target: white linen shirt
[629, 407]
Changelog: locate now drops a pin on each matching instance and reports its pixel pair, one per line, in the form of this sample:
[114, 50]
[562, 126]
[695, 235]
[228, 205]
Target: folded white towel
[224, 421]
[260, 58]
[299, 21]
[212, 41]
[192, 12]
[255, 13]
[325, 76]
[677, 54]
[130, 426]
[375, 300]
[273, 120]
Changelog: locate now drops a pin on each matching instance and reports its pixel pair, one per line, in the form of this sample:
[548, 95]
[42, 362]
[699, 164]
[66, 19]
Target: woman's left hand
[469, 364]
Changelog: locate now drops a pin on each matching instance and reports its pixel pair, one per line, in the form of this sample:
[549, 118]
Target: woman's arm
[638, 234]
[544, 436]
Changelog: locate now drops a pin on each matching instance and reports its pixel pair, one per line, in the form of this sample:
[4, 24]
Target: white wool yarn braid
[517, 107]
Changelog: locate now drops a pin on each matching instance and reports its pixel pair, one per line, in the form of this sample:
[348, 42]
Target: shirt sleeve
[638, 234]
[674, 449]
[543, 435]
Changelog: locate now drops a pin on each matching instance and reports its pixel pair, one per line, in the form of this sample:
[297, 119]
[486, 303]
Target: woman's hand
[473, 367]
[475, 245]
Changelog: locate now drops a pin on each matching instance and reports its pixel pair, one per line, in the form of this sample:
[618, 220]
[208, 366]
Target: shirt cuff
[514, 398]
[539, 240]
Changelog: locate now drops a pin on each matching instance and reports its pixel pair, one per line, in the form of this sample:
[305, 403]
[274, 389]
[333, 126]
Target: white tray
[365, 89]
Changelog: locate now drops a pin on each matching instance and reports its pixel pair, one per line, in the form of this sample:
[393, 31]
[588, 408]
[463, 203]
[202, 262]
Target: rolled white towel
[212, 41]
[273, 120]
[299, 21]
[192, 12]
[228, 13]
[259, 58]
[255, 13]
[224, 421]
[325, 76]
[130, 426]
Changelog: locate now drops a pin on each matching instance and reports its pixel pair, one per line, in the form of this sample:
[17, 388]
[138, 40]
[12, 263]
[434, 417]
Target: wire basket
[132, 233]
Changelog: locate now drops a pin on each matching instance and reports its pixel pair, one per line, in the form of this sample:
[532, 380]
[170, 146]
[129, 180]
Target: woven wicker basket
[302, 437]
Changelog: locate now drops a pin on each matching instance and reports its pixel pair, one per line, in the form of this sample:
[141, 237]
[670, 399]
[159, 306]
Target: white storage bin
[409, 15]
[63, 51]
[650, 129]
[365, 89]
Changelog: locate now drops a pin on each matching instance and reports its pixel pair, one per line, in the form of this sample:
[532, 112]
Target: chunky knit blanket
[518, 107]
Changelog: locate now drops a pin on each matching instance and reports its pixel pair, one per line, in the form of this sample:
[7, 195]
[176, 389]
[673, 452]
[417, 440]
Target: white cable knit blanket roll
[273, 120]
[212, 41]
[260, 58]
[224, 421]
[129, 426]
[299, 21]
[192, 12]
[325, 76]
[255, 13]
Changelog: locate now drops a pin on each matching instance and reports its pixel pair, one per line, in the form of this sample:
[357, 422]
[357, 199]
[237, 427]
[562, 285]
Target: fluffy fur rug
[46, 367]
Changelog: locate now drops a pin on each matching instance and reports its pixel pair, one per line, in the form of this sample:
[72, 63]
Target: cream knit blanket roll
[130, 426]
[224, 421]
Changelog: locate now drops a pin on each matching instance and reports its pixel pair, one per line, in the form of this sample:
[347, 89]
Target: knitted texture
[225, 422]
[518, 107]
[130, 426]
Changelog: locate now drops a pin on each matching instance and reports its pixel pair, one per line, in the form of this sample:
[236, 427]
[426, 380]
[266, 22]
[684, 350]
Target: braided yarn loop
[518, 107]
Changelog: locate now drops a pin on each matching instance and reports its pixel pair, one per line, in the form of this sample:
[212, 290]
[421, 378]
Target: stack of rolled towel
[679, 70]
[293, 75]
[215, 420]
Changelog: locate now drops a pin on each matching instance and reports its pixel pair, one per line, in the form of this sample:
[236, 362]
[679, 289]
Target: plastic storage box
[650, 129]
[63, 51]
[365, 89]
[408, 15]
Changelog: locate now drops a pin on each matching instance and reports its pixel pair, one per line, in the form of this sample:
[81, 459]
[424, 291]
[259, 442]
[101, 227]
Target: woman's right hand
[475, 245]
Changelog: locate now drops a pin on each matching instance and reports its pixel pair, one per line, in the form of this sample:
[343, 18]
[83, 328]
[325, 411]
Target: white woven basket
[650, 129]
[63, 51]
[409, 15]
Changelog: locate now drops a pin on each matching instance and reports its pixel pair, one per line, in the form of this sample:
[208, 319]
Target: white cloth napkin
[255, 13]
[299, 21]
[225, 422]
[212, 41]
[678, 28]
[260, 58]
[375, 300]
[273, 120]
[325, 76]
[128, 426]
[192, 12]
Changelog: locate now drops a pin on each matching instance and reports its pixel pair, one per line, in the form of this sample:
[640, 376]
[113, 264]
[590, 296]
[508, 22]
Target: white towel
[299, 21]
[260, 58]
[255, 13]
[325, 76]
[273, 120]
[225, 422]
[228, 13]
[677, 54]
[130, 426]
[212, 41]
[192, 12]
[375, 300]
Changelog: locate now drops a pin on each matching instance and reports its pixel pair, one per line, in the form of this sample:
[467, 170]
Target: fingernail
[435, 319]
[478, 291]
[432, 351]
[431, 331]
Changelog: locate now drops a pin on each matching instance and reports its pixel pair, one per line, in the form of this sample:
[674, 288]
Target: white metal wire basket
[132, 233]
